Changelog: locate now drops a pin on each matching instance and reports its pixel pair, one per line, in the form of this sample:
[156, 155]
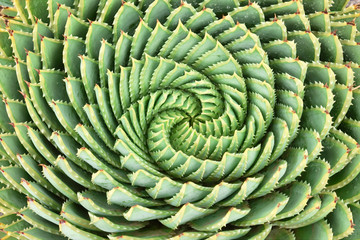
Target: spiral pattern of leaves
[215, 119]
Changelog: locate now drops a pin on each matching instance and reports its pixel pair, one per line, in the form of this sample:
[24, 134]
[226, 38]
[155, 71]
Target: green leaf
[71, 231]
[310, 210]
[87, 9]
[226, 234]
[280, 49]
[40, 30]
[319, 230]
[76, 92]
[37, 221]
[103, 100]
[89, 135]
[75, 26]
[32, 168]
[37, 234]
[309, 140]
[97, 31]
[16, 111]
[42, 195]
[158, 37]
[9, 85]
[343, 96]
[283, 8]
[351, 50]
[189, 192]
[346, 175]
[299, 194]
[317, 175]
[87, 156]
[344, 30]
[16, 226]
[219, 26]
[158, 10]
[12, 199]
[270, 31]
[328, 203]
[122, 51]
[50, 50]
[263, 209]
[339, 5]
[12, 146]
[38, 10]
[271, 177]
[220, 7]
[126, 19]
[183, 13]
[77, 215]
[89, 69]
[98, 123]
[336, 153]
[295, 22]
[186, 213]
[139, 41]
[141, 213]
[331, 48]
[317, 119]
[280, 233]
[115, 224]
[250, 15]
[95, 202]
[68, 146]
[355, 211]
[219, 193]
[53, 86]
[59, 20]
[106, 61]
[296, 161]
[5, 41]
[73, 47]
[220, 218]
[318, 94]
[349, 192]
[258, 232]
[43, 146]
[341, 220]
[293, 67]
[176, 37]
[42, 107]
[61, 182]
[320, 21]
[42, 211]
[122, 197]
[307, 45]
[67, 117]
[109, 11]
[200, 20]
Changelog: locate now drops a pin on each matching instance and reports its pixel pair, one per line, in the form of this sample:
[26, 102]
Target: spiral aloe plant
[155, 119]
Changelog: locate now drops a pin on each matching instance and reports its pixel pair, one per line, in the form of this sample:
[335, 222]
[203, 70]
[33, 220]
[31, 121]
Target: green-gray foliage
[155, 119]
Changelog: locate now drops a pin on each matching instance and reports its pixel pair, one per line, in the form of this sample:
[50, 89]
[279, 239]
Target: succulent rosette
[155, 119]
